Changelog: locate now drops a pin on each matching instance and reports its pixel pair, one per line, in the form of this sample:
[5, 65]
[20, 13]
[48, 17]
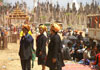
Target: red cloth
[97, 61]
[76, 67]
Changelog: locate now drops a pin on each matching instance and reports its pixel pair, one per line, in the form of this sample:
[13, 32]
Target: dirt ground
[9, 58]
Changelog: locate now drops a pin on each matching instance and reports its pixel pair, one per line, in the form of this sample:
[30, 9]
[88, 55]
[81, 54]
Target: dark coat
[54, 51]
[41, 47]
[26, 44]
[80, 37]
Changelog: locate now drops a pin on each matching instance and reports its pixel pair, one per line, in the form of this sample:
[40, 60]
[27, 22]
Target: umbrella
[72, 37]
[65, 41]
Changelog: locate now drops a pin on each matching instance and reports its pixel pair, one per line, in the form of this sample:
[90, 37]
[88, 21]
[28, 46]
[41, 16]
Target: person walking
[41, 46]
[54, 58]
[26, 46]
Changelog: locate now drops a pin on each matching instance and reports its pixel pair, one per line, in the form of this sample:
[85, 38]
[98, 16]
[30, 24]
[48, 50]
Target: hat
[76, 31]
[26, 27]
[43, 27]
[55, 27]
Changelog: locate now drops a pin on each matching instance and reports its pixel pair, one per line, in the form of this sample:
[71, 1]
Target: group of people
[81, 49]
[53, 59]
[73, 47]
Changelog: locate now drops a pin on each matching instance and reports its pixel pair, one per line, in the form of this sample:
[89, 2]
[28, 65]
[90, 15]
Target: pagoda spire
[17, 6]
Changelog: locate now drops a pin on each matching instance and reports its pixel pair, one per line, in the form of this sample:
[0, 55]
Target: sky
[62, 3]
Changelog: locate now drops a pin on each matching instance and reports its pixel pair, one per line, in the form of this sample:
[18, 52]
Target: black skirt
[41, 60]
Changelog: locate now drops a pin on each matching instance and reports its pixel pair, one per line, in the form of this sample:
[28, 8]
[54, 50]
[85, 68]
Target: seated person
[66, 51]
[78, 51]
[93, 51]
[86, 55]
[97, 59]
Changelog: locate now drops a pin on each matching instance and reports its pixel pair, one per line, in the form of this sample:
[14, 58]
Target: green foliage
[67, 14]
[47, 24]
[43, 17]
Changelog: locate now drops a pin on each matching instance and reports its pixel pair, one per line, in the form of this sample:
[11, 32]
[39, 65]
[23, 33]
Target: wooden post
[4, 42]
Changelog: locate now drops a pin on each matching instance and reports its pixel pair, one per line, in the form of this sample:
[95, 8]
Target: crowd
[81, 48]
[74, 46]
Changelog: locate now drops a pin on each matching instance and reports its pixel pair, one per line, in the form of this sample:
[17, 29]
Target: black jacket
[41, 45]
[54, 51]
[26, 44]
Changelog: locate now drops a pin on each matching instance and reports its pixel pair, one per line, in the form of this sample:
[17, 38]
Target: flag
[1, 3]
